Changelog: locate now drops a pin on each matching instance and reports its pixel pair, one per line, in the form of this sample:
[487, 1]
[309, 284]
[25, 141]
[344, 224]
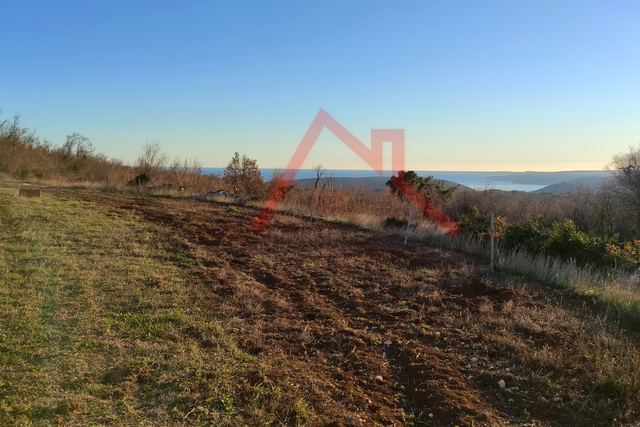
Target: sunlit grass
[101, 323]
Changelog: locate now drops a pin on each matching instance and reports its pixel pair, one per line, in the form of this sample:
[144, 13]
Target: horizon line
[433, 170]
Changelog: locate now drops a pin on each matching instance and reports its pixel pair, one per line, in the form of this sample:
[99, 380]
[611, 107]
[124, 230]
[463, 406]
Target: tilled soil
[372, 332]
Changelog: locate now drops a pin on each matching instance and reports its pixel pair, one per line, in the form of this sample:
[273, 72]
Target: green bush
[565, 241]
[472, 221]
[530, 235]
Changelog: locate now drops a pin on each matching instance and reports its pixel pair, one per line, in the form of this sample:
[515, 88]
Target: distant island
[369, 183]
[550, 178]
[551, 182]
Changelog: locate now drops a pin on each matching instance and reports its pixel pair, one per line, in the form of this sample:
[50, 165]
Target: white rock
[431, 415]
[378, 378]
[502, 384]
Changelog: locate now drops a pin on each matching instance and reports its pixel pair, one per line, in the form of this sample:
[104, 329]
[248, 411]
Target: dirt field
[376, 333]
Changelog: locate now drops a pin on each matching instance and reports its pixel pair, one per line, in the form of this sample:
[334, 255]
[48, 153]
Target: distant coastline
[499, 180]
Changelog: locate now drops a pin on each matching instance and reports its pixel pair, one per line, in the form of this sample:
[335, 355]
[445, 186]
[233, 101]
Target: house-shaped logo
[371, 155]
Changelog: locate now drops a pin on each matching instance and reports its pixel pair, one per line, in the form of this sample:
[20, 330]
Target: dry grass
[585, 367]
[106, 320]
[617, 293]
[347, 204]
[103, 322]
[582, 353]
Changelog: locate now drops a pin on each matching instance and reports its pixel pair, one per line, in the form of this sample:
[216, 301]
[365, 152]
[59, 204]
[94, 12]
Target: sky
[476, 85]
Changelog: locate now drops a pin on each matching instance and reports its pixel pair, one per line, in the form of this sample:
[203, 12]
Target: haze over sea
[475, 180]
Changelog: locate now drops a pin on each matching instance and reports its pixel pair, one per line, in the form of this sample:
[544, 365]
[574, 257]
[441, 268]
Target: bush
[565, 241]
[393, 222]
[625, 256]
[472, 221]
[529, 235]
[142, 179]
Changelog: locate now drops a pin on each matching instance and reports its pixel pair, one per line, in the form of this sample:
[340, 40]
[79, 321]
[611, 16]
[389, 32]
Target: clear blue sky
[484, 85]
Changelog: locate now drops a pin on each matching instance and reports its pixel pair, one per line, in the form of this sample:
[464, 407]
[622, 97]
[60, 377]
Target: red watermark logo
[372, 156]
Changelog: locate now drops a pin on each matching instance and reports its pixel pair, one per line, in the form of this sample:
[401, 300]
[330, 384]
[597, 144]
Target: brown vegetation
[25, 156]
[350, 327]
[368, 332]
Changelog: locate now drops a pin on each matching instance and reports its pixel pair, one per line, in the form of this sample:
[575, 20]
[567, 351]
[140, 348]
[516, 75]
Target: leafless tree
[626, 174]
[151, 158]
[319, 170]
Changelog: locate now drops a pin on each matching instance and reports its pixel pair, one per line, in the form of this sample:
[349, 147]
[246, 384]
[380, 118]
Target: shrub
[625, 256]
[398, 223]
[472, 221]
[565, 241]
[142, 179]
[393, 222]
[529, 235]
[243, 176]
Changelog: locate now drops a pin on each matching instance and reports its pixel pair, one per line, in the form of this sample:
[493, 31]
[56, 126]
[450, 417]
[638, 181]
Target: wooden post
[406, 233]
[493, 243]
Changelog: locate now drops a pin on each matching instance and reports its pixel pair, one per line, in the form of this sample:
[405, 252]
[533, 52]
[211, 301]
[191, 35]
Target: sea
[475, 180]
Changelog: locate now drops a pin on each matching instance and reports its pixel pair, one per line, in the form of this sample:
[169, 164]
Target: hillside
[550, 178]
[590, 182]
[554, 182]
[308, 323]
[369, 183]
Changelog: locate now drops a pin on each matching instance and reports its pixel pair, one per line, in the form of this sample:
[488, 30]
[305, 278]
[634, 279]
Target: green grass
[102, 323]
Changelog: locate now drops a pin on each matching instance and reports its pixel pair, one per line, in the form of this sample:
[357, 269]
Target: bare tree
[626, 174]
[75, 152]
[581, 200]
[319, 172]
[184, 173]
[151, 158]
[327, 181]
[605, 205]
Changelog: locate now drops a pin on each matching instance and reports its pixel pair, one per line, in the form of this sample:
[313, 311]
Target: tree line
[25, 156]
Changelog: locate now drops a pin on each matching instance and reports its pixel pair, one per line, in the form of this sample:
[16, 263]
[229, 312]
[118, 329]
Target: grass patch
[102, 323]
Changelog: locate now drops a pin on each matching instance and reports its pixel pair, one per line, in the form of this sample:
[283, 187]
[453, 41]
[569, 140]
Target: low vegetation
[104, 320]
[121, 308]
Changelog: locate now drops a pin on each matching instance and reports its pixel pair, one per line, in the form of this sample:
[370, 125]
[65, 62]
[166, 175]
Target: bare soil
[372, 332]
